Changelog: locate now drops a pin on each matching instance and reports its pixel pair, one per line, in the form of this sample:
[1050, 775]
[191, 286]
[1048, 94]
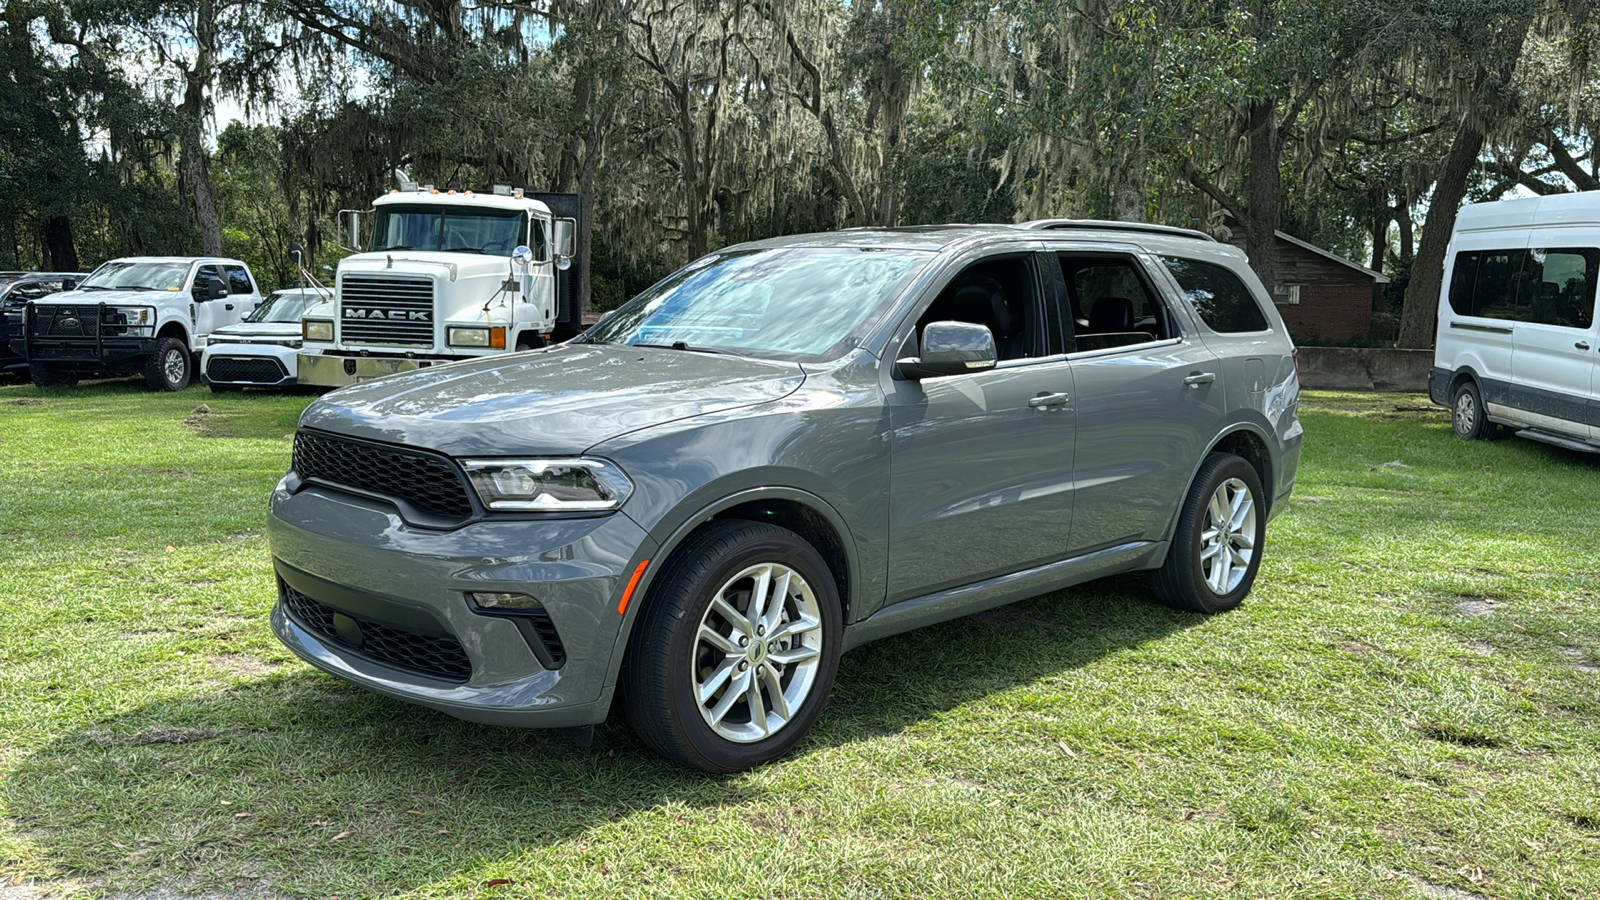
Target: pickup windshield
[136, 276]
[494, 232]
[281, 307]
[802, 304]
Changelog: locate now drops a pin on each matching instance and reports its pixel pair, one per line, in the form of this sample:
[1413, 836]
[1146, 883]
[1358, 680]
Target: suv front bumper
[357, 558]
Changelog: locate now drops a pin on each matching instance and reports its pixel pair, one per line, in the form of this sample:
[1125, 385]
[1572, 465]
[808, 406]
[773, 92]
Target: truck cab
[444, 276]
[145, 314]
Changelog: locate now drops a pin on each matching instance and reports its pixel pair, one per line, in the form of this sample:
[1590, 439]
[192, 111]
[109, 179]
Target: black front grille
[387, 312]
[438, 657]
[248, 369]
[67, 321]
[430, 483]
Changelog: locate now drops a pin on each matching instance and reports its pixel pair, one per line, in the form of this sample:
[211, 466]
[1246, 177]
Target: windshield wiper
[683, 345]
[464, 250]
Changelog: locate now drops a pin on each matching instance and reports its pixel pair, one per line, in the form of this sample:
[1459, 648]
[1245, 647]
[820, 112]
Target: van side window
[1545, 286]
[1110, 305]
[1561, 286]
[1221, 299]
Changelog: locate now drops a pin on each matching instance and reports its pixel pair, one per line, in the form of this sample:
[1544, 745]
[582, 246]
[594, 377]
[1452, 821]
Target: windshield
[137, 276]
[494, 232]
[798, 303]
[281, 307]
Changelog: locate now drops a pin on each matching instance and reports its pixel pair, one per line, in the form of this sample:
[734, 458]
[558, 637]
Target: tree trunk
[1264, 192]
[1420, 312]
[196, 161]
[59, 247]
[1408, 243]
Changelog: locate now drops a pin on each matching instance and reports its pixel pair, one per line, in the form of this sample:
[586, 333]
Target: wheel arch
[808, 515]
[174, 329]
[1246, 440]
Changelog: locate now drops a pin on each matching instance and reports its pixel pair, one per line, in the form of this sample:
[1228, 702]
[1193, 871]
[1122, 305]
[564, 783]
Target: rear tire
[1221, 529]
[735, 650]
[47, 375]
[170, 367]
[1468, 418]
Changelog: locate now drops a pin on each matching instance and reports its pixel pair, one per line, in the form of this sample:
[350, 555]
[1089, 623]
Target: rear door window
[239, 280]
[1110, 304]
[1224, 303]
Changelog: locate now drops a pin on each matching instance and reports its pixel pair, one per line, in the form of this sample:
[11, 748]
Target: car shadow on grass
[299, 781]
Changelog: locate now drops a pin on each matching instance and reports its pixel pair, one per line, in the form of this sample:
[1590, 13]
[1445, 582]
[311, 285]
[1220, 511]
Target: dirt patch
[1580, 660]
[25, 401]
[1359, 648]
[1448, 733]
[1476, 606]
[1440, 891]
[243, 665]
[1480, 648]
[160, 734]
[197, 420]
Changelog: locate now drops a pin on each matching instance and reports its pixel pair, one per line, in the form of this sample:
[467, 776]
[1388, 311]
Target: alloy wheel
[1228, 540]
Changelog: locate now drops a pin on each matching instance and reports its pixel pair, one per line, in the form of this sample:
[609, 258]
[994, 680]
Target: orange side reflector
[627, 592]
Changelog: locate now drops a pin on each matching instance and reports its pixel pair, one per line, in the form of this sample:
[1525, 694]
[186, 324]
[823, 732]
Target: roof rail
[1109, 225]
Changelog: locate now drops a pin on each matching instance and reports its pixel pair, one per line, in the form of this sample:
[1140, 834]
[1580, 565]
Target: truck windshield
[495, 232]
[136, 276]
[281, 307]
[796, 303]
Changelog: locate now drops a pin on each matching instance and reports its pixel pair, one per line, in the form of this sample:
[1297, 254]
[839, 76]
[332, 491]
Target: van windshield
[794, 303]
[493, 232]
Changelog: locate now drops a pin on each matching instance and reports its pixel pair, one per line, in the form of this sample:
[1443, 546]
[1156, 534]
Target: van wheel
[1467, 415]
[736, 648]
[46, 375]
[1216, 550]
[170, 367]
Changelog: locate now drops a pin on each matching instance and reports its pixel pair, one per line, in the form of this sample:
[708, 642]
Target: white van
[1517, 344]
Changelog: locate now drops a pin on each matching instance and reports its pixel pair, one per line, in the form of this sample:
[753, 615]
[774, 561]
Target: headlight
[459, 336]
[316, 329]
[548, 485]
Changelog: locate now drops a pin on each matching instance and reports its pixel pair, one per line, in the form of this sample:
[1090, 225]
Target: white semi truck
[444, 276]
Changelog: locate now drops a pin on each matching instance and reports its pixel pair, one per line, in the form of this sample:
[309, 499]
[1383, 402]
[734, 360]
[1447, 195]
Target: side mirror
[68, 284]
[214, 289]
[950, 348]
[522, 255]
[352, 229]
[563, 239]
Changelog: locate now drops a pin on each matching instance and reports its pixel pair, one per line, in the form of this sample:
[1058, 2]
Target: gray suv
[784, 450]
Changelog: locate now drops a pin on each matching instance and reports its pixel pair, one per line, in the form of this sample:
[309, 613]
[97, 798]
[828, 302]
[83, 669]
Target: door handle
[1582, 345]
[1047, 399]
[1200, 378]
[228, 306]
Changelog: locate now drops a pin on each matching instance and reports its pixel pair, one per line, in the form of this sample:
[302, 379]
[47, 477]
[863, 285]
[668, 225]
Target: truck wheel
[1467, 415]
[735, 649]
[170, 367]
[1216, 550]
[46, 375]
[531, 340]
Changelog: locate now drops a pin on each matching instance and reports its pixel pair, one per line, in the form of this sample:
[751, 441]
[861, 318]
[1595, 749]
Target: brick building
[1322, 297]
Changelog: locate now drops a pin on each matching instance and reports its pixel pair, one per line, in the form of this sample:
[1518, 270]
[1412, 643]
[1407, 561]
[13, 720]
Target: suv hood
[563, 400]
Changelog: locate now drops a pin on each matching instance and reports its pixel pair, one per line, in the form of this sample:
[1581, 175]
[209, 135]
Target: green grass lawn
[1408, 705]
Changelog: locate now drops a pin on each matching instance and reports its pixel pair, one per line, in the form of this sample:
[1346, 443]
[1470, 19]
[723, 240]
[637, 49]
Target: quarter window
[1224, 303]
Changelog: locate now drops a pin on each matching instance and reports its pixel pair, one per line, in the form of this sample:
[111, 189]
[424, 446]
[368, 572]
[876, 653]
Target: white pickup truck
[146, 314]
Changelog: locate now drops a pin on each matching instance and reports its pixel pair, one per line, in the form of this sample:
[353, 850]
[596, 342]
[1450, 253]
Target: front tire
[1216, 550]
[736, 650]
[45, 375]
[1468, 418]
[170, 367]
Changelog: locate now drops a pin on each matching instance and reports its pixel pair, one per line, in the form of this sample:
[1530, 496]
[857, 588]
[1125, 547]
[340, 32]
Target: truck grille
[387, 312]
[439, 657]
[246, 369]
[430, 483]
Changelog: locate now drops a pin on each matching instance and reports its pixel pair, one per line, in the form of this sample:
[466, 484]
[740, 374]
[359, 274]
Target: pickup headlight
[548, 485]
[316, 329]
[460, 336]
